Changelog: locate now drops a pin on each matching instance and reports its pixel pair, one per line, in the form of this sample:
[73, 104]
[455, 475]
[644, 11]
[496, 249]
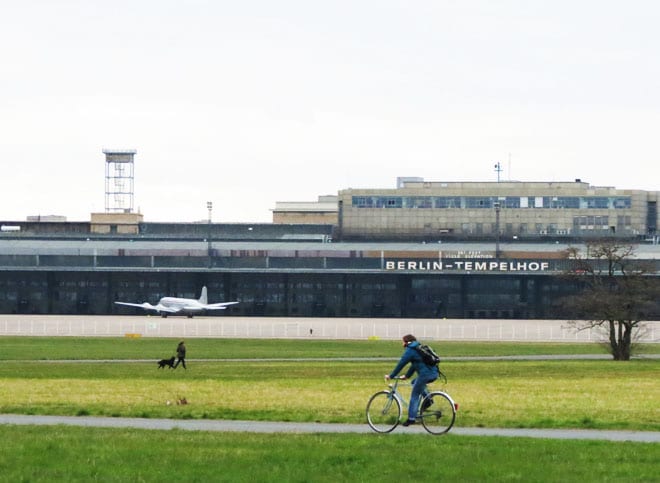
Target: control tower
[119, 180]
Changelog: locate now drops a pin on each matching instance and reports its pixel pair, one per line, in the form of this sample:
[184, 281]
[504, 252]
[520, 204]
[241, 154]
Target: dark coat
[181, 350]
[412, 356]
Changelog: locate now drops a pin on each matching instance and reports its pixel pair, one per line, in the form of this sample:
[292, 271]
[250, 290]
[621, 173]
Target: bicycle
[437, 411]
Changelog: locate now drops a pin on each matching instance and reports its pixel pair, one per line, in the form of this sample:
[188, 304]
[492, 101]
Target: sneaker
[427, 404]
[409, 422]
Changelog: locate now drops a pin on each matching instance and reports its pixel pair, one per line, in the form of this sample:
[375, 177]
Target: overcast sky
[245, 103]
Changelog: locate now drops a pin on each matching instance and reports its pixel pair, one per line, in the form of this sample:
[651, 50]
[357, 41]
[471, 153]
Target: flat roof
[18, 246]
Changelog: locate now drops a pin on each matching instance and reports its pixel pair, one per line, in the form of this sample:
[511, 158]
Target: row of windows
[576, 202]
[583, 221]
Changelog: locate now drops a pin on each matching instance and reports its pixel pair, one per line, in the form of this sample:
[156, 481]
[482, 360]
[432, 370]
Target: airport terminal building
[421, 210]
[426, 250]
[76, 275]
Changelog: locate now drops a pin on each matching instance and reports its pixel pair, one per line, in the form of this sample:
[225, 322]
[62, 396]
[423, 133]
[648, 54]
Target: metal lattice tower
[119, 180]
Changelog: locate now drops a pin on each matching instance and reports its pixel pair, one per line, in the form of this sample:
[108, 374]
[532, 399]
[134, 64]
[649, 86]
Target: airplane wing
[219, 306]
[148, 306]
[145, 305]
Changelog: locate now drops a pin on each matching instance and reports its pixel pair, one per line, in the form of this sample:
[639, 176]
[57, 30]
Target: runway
[298, 327]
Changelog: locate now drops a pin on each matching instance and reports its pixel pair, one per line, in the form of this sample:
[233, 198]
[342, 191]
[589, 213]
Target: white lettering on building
[467, 266]
[412, 265]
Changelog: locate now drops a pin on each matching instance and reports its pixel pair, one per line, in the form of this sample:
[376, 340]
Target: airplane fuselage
[181, 306]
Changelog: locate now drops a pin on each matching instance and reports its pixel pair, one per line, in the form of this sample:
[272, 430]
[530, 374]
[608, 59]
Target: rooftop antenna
[498, 170]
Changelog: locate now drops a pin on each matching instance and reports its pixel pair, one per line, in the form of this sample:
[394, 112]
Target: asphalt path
[551, 357]
[315, 428]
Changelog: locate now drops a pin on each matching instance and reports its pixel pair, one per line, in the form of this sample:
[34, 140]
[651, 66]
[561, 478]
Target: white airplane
[176, 305]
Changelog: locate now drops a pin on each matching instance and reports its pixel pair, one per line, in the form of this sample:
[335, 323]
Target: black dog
[166, 362]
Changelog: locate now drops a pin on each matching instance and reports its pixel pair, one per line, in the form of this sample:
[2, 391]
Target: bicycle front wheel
[383, 412]
[439, 416]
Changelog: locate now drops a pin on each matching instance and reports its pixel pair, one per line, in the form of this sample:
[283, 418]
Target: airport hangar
[455, 250]
[299, 276]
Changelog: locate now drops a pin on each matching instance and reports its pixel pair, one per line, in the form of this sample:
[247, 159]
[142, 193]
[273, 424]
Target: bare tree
[615, 292]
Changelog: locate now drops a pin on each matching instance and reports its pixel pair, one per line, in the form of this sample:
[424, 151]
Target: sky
[246, 103]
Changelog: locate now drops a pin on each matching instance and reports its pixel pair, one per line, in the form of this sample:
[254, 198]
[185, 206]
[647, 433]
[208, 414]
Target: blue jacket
[416, 364]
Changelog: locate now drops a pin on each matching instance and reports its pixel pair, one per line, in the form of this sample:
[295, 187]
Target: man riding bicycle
[425, 375]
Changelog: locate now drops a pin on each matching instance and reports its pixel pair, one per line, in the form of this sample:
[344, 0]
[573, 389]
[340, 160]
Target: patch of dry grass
[570, 394]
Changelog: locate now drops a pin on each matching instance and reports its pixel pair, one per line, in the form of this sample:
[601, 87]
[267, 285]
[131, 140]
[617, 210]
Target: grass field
[118, 377]
[53, 348]
[598, 394]
[542, 394]
[74, 454]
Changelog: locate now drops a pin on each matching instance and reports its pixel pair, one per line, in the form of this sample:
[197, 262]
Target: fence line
[330, 328]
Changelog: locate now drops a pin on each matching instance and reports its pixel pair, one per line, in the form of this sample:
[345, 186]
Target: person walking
[181, 354]
[425, 375]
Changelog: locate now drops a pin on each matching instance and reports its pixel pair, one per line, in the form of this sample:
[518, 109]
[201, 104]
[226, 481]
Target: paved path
[281, 427]
[551, 357]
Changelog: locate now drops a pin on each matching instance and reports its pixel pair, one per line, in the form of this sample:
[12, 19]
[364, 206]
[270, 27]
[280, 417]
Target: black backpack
[429, 356]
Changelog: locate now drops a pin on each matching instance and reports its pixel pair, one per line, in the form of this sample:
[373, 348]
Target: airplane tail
[203, 299]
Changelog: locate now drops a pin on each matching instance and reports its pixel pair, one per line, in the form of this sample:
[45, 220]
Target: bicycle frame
[395, 389]
[396, 393]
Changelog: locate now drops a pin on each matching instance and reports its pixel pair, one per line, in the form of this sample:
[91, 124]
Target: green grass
[37, 377]
[74, 454]
[54, 348]
[541, 394]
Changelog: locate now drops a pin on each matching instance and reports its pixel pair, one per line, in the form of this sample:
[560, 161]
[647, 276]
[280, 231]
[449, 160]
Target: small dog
[166, 362]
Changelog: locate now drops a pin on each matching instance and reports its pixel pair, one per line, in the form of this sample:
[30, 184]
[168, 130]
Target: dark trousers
[419, 391]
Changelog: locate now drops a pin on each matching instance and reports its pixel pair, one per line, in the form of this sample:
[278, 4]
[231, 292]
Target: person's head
[408, 338]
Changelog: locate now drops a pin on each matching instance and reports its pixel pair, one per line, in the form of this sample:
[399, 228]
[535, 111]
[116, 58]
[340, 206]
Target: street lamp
[497, 229]
[498, 170]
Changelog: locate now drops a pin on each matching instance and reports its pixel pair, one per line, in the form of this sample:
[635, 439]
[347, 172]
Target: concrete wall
[293, 217]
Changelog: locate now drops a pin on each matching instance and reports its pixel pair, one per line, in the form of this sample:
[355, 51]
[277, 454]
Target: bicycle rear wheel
[439, 417]
[383, 412]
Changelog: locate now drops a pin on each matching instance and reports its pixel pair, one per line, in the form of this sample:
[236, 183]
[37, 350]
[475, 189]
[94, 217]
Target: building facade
[307, 279]
[322, 211]
[365, 253]
[420, 210]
